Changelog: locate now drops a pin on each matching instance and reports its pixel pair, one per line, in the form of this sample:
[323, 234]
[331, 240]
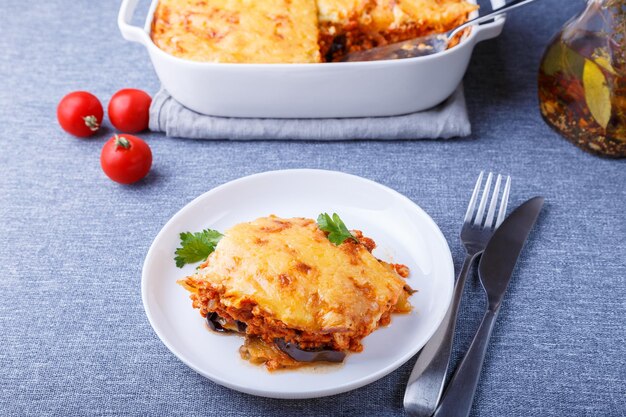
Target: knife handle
[459, 396]
[425, 385]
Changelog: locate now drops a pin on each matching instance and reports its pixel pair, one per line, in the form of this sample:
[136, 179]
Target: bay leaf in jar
[597, 93]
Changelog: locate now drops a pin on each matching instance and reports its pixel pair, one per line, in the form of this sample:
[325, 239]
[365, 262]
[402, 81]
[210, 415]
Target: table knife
[495, 270]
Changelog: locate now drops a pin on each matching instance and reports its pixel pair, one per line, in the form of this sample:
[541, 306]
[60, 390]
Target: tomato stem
[92, 123]
[121, 141]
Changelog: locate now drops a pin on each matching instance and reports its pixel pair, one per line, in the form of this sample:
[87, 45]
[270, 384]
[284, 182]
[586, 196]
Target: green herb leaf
[337, 230]
[559, 58]
[195, 247]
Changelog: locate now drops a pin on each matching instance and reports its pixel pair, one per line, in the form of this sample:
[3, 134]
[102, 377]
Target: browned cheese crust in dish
[294, 293]
[263, 31]
[295, 31]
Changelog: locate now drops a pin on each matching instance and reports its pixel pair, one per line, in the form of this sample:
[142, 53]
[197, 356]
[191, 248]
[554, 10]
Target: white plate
[404, 234]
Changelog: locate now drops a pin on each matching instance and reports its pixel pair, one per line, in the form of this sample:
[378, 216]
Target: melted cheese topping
[262, 31]
[380, 15]
[293, 273]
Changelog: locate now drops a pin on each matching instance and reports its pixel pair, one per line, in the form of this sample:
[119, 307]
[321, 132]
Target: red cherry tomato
[129, 110]
[80, 113]
[126, 159]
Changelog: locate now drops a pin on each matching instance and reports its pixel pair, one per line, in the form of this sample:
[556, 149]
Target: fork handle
[459, 396]
[426, 382]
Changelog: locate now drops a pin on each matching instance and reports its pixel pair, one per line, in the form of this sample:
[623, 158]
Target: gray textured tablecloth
[74, 336]
[447, 120]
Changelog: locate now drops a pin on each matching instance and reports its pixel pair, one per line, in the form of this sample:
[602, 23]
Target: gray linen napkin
[447, 120]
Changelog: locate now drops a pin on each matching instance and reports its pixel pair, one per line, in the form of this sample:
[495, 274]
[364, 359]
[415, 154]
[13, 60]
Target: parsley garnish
[337, 230]
[195, 247]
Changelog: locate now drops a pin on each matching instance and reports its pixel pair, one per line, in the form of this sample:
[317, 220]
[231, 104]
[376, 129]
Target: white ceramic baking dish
[350, 89]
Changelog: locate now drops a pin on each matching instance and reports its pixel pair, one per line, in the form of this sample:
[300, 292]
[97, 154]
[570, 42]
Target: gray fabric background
[74, 337]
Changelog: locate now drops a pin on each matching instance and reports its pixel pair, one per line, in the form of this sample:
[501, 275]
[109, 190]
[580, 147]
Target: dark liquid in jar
[582, 91]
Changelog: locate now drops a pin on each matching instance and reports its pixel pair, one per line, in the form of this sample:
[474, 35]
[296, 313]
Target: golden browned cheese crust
[295, 31]
[252, 31]
[383, 15]
[284, 279]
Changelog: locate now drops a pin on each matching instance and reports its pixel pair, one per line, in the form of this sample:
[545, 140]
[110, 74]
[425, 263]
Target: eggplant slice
[317, 355]
[221, 325]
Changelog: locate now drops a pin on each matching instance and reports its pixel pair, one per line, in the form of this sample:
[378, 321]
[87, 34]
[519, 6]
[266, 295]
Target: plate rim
[323, 392]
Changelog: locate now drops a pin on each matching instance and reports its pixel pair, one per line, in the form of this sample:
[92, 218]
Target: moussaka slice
[245, 31]
[297, 296]
[354, 25]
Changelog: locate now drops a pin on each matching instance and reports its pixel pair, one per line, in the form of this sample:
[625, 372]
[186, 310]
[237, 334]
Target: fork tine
[483, 201]
[494, 202]
[472, 203]
[504, 202]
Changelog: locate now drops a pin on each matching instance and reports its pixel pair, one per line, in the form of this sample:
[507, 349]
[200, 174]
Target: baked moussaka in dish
[295, 31]
[295, 295]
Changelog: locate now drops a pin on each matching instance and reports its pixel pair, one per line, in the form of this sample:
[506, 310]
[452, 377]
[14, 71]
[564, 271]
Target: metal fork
[426, 382]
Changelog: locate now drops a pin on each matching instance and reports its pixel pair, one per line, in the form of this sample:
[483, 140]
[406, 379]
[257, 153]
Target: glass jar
[582, 79]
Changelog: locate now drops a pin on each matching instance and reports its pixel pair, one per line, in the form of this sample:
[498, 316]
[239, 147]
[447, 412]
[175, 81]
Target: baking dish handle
[129, 32]
[490, 30]
[493, 29]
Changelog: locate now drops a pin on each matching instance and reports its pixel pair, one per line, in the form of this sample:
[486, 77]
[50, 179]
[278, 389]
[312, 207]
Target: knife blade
[501, 253]
[495, 271]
